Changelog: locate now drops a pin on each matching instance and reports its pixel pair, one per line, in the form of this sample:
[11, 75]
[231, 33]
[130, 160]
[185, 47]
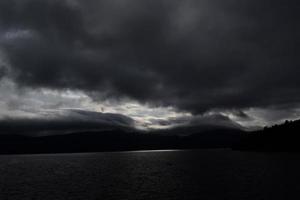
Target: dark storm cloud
[3, 72]
[64, 122]
[193, 55]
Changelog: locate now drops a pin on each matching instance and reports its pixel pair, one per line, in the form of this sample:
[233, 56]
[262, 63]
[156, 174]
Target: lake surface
[184, 175]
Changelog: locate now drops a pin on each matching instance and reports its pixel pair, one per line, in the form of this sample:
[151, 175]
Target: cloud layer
[65, 121]
[195, 56]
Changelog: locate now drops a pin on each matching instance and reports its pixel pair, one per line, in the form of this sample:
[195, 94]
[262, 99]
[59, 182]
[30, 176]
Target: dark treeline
[283, 137]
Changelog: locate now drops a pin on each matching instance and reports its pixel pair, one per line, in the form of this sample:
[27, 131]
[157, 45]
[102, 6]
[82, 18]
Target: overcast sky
[157, 64]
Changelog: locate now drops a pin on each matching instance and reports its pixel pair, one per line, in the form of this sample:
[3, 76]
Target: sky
[148, 64]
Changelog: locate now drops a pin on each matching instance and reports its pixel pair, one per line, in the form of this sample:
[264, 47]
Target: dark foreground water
[192, 174]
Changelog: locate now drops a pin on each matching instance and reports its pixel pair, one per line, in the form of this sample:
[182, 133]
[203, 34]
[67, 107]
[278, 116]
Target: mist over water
[188, 174]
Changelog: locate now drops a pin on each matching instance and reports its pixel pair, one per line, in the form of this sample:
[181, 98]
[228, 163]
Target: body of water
[184, 175]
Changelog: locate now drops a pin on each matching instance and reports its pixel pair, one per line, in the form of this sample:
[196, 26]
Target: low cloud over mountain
[67, 121]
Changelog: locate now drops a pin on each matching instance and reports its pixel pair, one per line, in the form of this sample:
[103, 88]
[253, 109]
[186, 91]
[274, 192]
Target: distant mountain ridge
[118, 140]
[284, 137]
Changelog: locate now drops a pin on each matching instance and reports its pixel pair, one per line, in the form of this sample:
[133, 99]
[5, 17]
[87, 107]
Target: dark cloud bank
[68, 121]
[194, 55]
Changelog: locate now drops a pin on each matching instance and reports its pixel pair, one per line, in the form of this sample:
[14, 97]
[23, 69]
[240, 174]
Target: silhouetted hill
[284, 137]
[117, 140]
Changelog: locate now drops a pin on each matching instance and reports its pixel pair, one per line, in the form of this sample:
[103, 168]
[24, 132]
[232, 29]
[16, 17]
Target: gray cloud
[65, 121]
[201, 122]
[193, 55]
